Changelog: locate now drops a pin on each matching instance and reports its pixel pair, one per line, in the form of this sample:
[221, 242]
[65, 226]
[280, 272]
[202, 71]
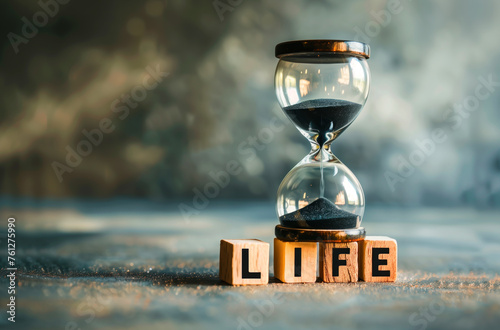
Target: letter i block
[295, 262]
[244, 261]
[378, 259]
[338, 262]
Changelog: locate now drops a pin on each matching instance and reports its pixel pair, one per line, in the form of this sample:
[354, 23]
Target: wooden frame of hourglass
[321, 85]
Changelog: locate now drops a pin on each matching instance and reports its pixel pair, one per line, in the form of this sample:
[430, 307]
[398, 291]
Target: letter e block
[244, 261]
[378, 259]
[295, 262]
[338, 262]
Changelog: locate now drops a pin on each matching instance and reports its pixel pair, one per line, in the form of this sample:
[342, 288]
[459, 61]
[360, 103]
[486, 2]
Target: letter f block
[338, 262]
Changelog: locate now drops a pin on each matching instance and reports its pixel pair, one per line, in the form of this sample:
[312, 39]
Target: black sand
[323, 116]
[320, 214]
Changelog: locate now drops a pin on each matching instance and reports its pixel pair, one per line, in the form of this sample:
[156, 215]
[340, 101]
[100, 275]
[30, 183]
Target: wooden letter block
[295, 262]
[244, 261]
[338, 262]
[378, 259]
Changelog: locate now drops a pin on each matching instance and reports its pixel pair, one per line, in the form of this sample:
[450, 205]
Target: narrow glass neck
[318, 154]
[322, 154]
[320, 147]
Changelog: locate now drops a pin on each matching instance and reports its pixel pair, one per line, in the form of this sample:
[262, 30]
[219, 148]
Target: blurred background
[121, 120]
[69, 67]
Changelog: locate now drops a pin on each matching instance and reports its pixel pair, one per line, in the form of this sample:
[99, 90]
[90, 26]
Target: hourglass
[321, 86]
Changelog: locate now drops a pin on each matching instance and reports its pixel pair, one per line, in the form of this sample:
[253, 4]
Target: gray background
[426, 57]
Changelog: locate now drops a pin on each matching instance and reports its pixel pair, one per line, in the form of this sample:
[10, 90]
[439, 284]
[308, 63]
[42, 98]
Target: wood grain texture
[285, 261]
[327, 267]
[235, 270]
[385, 257]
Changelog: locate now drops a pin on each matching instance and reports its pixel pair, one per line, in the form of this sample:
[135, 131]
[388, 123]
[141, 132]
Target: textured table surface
[125, 265]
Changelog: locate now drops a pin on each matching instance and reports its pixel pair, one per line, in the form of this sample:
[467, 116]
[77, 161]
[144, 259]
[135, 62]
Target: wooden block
[295, 262]
[378, 259]
[338, 262]
[244, 261]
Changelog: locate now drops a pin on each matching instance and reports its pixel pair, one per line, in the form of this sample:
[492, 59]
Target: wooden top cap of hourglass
[328, 47]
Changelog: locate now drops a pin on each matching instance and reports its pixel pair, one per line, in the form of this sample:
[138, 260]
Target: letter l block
[244, 262]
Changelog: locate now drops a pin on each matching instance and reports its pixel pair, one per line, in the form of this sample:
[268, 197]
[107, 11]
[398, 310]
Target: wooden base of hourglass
[319, 235]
